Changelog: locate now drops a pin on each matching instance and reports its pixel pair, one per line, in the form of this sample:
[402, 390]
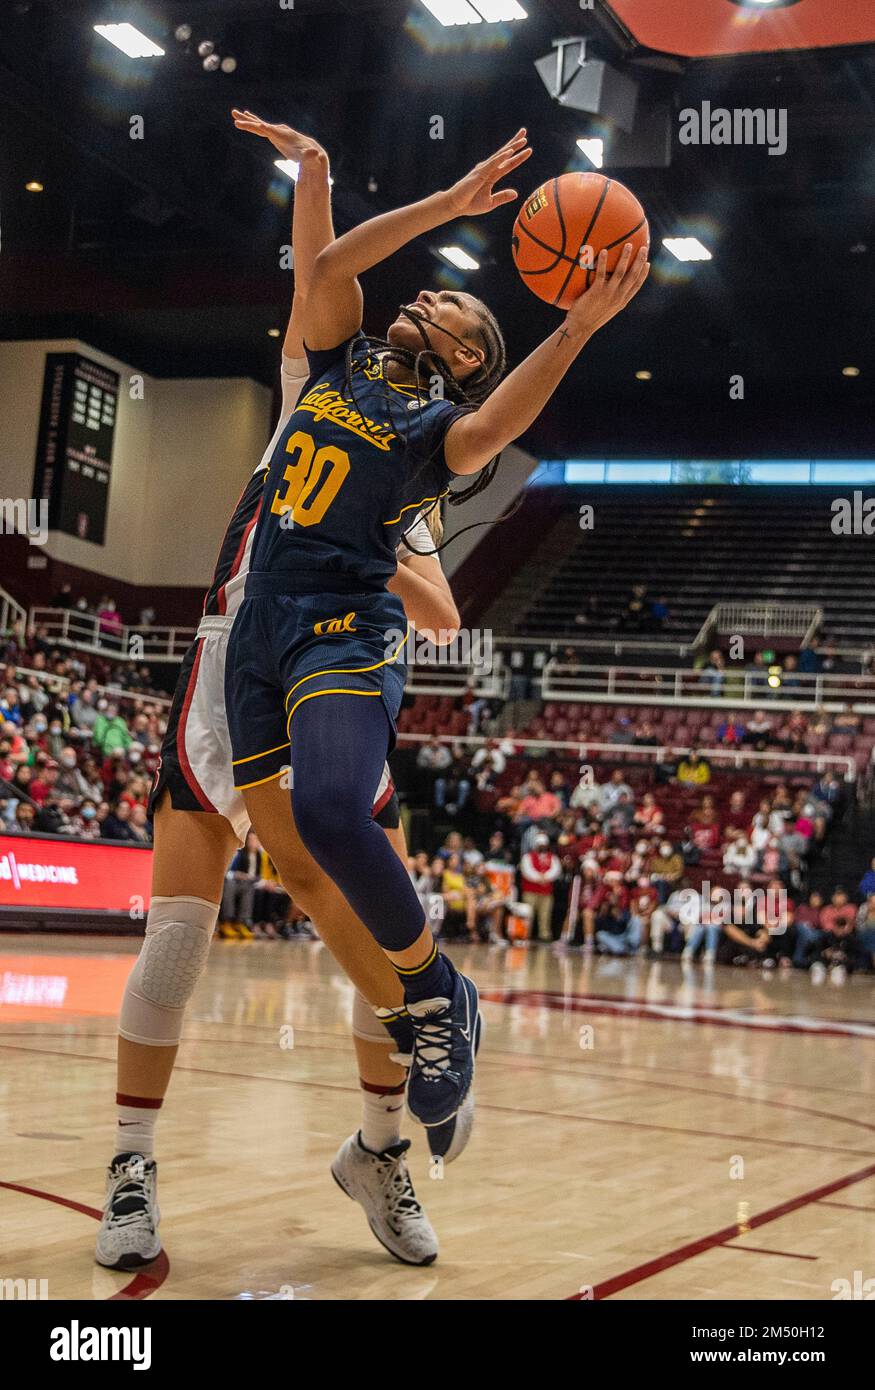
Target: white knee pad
[170, 963]
[365, 1024]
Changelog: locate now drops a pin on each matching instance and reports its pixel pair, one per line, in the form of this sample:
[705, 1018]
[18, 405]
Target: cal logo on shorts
[537, 201]
[335, 625]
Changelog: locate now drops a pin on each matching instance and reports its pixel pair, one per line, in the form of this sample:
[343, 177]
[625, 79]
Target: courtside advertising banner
[73, 875]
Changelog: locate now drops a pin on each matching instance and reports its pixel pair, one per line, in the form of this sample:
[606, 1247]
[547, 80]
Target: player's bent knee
[170, 963]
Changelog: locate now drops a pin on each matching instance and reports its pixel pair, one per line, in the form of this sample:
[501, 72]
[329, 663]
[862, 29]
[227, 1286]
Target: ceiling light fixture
[686, 248]
[850, 371]
[594, 150]
[459, 258]
[129, 40]
[450, 12]
[643, 376]
[34, 186]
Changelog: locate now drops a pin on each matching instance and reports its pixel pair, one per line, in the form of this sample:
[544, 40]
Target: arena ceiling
[164, 251]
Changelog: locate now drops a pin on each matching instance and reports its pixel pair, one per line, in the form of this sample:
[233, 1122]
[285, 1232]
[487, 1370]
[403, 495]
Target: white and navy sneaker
[447, 1141]
[128, 1235]
[381, 1184]
[445, 1036]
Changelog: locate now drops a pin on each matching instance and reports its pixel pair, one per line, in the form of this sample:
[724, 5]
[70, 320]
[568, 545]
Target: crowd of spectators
[593, 864]
[77, 755]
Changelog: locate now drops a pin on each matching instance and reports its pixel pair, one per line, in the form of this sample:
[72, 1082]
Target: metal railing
[762, 620]
[11, 613]
[739, 690]
[89, 633]
[657, 753]
[60, 685]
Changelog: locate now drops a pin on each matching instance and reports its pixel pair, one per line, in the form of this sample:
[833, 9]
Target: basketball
[562, 217]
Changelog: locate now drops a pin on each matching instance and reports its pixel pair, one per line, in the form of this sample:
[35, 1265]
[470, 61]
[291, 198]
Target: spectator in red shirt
[838, 944]
[43, 783]
[537, 806]
[539, 870]
[705, 825]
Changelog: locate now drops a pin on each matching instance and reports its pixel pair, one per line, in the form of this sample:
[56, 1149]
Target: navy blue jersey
[347, 477]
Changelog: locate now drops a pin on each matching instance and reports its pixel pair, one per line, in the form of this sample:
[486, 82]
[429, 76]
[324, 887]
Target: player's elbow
[447, 623]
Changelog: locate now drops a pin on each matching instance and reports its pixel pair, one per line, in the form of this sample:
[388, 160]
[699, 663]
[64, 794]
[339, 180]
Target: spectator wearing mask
[84, 822]
[666, 868]
[70, 780]
[539, 870]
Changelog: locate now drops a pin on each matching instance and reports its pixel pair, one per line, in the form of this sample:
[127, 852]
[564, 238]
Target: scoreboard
[74, 447]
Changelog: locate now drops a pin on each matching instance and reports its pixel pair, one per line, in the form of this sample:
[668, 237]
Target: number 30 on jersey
[314, 480]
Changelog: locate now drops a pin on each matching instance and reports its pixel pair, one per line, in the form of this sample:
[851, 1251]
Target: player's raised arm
[312, 227]
[334, 310]
[517, 401]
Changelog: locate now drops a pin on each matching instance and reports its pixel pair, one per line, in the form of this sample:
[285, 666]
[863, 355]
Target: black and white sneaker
[128, 1235]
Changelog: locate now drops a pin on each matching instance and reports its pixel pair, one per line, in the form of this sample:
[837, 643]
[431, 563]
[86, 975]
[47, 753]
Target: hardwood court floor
[600, 1161]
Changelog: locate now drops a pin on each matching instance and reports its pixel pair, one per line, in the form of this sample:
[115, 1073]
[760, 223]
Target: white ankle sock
[382, 1108]
[135, 1130]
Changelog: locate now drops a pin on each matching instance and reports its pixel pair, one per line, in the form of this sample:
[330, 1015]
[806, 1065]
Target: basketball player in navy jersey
[311, 675]
[200, 819]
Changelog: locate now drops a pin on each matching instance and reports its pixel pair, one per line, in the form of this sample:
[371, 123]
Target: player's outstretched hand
[474, 194]
[608, 294]
[291, 144]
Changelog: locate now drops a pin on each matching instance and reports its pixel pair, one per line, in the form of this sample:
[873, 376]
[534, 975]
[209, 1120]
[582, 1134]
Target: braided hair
[470, 392]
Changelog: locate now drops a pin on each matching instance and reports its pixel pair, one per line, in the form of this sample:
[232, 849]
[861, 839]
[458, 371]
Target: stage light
[459, 258]
[211, 62]
[686, 248]
[182, 33]
[291, 168]
[273, 333]
[34, 186]
[205, 47]
[129, 40]
[643, 376]
[594, 150]
[229, 64]
[846, 371]
[372, 184]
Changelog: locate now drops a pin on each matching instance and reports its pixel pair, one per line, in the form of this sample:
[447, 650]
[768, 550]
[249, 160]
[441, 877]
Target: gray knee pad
[170, 963]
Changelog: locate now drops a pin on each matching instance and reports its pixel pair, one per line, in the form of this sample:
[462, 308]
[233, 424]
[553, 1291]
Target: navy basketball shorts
[286, 649]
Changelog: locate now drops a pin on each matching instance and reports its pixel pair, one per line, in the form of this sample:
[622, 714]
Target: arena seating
[697, 547]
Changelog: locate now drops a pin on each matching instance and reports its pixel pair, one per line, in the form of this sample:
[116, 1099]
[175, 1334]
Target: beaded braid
[475, 389]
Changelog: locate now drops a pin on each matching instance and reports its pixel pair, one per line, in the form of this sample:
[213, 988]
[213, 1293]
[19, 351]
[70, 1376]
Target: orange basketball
[566, 215]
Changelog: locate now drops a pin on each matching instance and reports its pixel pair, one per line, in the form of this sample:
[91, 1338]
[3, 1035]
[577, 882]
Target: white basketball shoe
[381, 1184]
[128, 1235]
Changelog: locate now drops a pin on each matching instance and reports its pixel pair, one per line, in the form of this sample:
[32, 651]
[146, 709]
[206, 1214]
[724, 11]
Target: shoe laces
[402, 1200]
[432, 1044]
[129, 1198]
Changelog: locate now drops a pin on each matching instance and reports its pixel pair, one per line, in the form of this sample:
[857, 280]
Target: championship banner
[74, 448]
[73, 875]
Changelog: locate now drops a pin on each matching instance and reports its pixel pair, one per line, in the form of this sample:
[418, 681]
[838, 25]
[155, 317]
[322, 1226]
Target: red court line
[760, 1250]
[693, 1248]
[702, 1015]
[144, 1282]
